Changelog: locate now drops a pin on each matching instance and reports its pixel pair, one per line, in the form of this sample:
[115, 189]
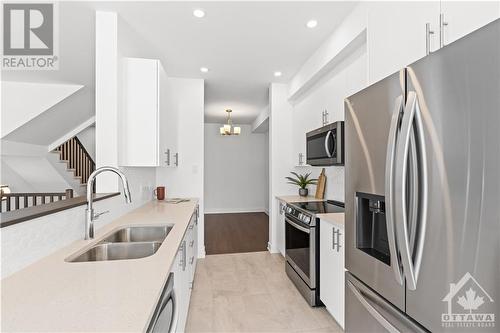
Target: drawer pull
[191, 243]
[191, 260]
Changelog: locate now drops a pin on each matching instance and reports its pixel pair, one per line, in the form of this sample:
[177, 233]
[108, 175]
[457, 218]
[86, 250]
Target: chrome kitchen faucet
[90, 215]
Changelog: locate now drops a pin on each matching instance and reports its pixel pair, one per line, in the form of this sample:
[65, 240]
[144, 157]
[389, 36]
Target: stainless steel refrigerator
[422, 207]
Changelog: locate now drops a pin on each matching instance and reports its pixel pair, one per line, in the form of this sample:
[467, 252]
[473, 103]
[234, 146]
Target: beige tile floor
[250, 292]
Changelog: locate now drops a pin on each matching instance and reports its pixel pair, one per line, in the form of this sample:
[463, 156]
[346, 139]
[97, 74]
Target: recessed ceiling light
[198, 13]
[312, 24]
[277, 74]
[203, 69]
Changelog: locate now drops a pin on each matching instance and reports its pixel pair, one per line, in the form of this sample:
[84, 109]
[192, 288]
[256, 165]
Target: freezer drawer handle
[389, 190]
[375, 314]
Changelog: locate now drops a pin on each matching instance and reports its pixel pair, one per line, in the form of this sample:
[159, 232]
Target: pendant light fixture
[228, 128]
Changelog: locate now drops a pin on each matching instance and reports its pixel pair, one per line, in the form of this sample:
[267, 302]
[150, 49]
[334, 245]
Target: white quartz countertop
[53, 295]
[335, 218]
[297, 198]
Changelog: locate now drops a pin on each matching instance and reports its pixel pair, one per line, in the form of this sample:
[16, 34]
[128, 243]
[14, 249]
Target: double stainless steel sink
[125, 243]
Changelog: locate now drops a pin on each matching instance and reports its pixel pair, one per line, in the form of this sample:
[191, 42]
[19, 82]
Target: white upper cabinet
[148, 115]
[462, 17]
[169, 115]
[397, 34]
[139, 113]
[401, 32]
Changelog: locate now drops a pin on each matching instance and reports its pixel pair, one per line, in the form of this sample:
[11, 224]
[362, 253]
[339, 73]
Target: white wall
[186, 180]
[24, 243]
[76, 39]
[280, 155]
[22, 164]
[235, 171]
[24, 101]
[106, 97]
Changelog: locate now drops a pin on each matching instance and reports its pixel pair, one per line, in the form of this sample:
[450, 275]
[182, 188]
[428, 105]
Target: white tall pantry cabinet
[148, 115]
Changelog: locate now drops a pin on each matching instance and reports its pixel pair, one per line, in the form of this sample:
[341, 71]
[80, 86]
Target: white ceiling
[242, 43]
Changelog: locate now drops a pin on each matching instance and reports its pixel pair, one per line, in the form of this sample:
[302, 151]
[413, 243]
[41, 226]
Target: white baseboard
[234, 210]
[266, 211]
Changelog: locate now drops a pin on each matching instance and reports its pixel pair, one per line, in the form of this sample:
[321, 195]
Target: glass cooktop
[321, 207]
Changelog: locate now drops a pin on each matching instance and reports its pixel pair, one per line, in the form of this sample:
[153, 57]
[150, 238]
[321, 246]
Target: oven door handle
[297, 226]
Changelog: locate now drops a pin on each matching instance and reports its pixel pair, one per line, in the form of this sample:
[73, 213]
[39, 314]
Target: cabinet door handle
[428, 33]
[191, 243]
[442, 26]
[338, 240]
[333, 238]
[191, 260]
[168, 157]
[183, 261]
[185, 257]
[336, 243]
[176, 155]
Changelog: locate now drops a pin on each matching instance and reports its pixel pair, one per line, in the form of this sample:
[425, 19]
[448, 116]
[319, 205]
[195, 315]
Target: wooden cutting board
[320, 188]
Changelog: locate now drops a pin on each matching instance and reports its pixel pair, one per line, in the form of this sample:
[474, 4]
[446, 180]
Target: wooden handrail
[77, 157]
[12, 201]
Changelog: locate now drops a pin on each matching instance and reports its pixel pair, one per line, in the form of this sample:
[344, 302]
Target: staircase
[77, 161]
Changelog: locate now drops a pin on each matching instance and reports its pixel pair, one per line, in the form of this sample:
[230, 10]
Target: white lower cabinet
[184, 268]
[331, 265]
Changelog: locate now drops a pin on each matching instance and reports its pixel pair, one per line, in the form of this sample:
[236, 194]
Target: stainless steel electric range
[302, 244]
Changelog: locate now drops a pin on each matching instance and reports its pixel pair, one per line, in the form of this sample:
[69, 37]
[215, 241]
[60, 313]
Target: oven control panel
[305, 218]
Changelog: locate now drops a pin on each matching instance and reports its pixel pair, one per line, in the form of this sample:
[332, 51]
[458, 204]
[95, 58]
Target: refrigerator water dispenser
[371, 229]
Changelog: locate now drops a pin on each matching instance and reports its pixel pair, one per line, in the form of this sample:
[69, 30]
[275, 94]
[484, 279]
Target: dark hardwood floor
[236, 232]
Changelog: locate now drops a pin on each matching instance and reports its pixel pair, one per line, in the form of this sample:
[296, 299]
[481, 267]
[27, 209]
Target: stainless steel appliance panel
[325, 145]
[166, 314]
[368, 312]
[458, 93]
[368, 116]
[300, 251]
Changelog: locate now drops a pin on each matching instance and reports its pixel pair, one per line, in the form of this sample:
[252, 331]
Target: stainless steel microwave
[325, 145]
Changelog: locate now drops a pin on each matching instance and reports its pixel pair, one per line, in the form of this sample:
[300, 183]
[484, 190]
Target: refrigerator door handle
[422, 181]
[389, 189]
[373, 312]
[412, 141]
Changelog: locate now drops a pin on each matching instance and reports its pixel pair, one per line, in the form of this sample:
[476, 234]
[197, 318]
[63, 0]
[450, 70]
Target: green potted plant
[302, 181]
